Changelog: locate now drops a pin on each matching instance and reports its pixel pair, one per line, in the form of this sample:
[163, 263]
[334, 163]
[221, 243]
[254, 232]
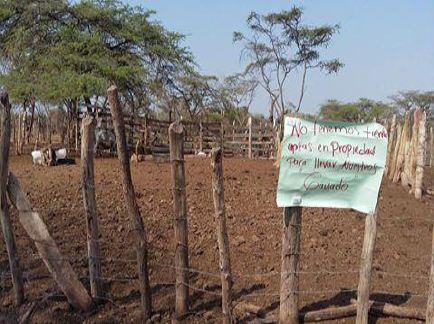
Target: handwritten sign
[331, 164]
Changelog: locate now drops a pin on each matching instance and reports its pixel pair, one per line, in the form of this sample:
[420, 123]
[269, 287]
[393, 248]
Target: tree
[407, 100]
[196, 93]
[280, 44]
[55, 50]
[364, 110]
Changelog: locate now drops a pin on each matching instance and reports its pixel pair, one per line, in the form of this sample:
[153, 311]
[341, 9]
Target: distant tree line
[368, 110]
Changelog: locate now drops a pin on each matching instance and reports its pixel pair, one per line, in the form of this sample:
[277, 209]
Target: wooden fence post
[56, 263]
[431, 147]
[420, 158]
[130, 197]
[200, 136]
[89, 201]
[366, 267]
[430, 303]
[5, 142]
[390, 144]
[289, 278]
[250, 138]
[222, 234]
[176, 138]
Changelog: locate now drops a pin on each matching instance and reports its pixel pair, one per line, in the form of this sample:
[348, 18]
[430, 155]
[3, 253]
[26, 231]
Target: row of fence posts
[291, 231]
[407, 150]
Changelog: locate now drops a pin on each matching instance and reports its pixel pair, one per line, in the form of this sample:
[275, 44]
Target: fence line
[239, 275]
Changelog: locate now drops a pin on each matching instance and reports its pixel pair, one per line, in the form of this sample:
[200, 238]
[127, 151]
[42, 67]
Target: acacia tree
[277, 45]
[413, 99]
[195, 93]
[234, 96]
[54, 50]
[362, 110]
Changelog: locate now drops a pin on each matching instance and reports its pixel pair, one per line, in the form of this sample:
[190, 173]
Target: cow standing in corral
[105, 138]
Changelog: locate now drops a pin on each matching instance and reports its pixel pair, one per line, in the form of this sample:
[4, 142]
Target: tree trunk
[32, 118]
[222, 234]
[176, 139]
[23, 129]
[130, 197]
[89, 200]
[289, 278]
[7, 228]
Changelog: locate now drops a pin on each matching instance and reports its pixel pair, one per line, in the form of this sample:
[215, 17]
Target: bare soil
[331, 243]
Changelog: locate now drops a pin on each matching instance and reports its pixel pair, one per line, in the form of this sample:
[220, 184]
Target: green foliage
[52, 49]
[407, 100]
[364, 110]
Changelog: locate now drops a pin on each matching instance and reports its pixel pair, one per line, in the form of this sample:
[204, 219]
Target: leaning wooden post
[222, 234]
[366, 267]
[430, 303]
[289, 278]
[89, 201]
[250, 138]
[130, 197]
[56, 263]
[176, 138]
[5, 142]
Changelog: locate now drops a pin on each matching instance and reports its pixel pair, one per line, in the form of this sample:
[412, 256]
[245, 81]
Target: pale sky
[386, 45]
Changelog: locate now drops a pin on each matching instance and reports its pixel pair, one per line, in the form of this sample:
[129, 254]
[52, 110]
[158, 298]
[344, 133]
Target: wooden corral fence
[149, 135]
[253, 140]
[78, 296]
[410, 150]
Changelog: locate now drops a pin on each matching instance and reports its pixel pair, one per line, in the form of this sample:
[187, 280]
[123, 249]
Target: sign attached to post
[331, 164]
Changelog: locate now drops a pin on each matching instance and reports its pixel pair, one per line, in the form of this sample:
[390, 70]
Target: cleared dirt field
[331, 242]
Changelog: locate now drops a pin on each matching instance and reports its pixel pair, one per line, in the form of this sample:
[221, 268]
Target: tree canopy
[53, 49]
[364, 110]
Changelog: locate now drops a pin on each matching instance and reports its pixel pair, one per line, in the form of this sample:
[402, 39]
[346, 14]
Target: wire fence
[383, 222]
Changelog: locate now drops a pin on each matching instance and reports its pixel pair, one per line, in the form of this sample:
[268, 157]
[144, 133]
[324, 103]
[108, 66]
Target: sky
[386, 45]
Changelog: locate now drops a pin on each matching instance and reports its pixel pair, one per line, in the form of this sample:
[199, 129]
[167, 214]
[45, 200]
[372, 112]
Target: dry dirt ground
[331, 243]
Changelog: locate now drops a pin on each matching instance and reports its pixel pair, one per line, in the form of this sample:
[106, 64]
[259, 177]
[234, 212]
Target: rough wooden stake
[200, 137]
[406, 151]
[89, 201]
[431, 147]
[413, 149]
[58, 266]
[289, 278]
[391, 141]
[400, 159]
[176, 138]
[366, 267]
[7, 228]
[130, 197]
[250, 138]
[222, 234]
[420, 158]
